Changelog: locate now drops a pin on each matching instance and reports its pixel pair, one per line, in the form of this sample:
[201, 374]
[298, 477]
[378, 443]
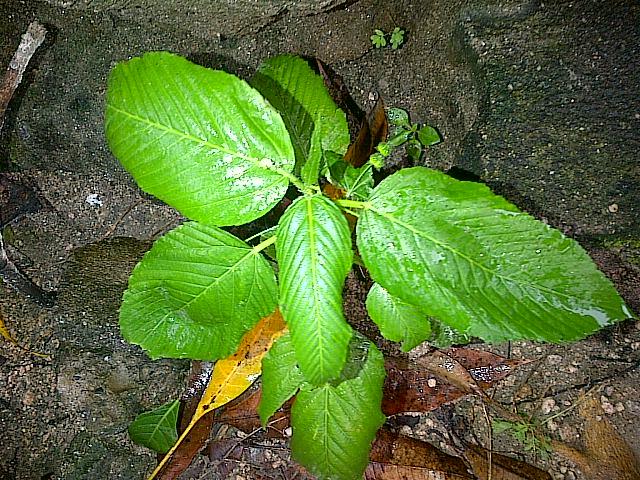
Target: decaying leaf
[374, 130]
[502, 467]
[391, 448]
[424, 385]
[197, 437]
[605, 454]
[233, 375]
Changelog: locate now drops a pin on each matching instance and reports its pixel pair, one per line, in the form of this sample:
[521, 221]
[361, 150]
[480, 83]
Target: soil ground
[538, 100]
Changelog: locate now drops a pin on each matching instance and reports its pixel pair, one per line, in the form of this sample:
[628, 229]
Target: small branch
[30, 42]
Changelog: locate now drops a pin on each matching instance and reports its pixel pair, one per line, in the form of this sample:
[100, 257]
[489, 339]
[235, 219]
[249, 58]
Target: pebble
[548, 406]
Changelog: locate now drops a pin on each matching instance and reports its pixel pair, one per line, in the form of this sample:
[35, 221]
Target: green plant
[449, 258]
[378, 39]
[396, 38]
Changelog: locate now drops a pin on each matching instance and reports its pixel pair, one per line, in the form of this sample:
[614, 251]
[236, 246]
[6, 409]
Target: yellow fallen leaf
[233, 375]
[4, 331]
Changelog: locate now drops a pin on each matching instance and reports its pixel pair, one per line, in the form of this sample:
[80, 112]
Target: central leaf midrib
[194, 139]
[314, 282]
[505, 278]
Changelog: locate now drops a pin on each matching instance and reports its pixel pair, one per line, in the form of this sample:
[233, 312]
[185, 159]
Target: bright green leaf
[428, 136]
[281, 377]
[397, 319]
[157, 429]
[203, 141]
[334, 424]
[475, 262]
[312, 118]
[314, 256]
[195, 293]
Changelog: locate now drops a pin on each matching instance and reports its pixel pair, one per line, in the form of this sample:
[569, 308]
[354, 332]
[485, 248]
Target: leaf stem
[264, 244]
[351, 203]
[266, 230]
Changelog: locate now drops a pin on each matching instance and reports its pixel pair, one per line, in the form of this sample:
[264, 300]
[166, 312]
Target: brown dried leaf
[374, 130]
[606, 455]
[502, 467]
[424, 385]
[395, 449]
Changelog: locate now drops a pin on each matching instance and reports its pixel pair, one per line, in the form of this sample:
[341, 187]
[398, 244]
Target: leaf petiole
[264, 244]
[344, 203]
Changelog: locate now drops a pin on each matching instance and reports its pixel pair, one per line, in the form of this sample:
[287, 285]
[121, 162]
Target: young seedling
[225, 152]
[396, 38]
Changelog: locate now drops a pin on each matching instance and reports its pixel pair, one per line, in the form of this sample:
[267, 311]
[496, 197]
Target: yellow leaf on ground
[236, 373]
[4, 331]
[233, 375]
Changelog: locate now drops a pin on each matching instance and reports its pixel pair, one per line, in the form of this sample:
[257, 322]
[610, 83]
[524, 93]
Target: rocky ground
[538, 100]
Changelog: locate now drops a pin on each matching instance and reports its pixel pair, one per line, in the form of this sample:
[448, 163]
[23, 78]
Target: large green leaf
[203, 141]
[474, 261]
[334, 425]
[314, 121]
[281, 377]
[157, 429]
[195, 293]
[314, 256]
[397, 319]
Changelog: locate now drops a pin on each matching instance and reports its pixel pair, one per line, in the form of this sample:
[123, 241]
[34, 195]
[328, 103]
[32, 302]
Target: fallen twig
[30, 42]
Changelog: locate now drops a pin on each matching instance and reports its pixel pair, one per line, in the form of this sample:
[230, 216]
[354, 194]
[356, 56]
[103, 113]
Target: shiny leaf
[313, 120]
[477, 263]
[397, 319]
[334, 424]
[203, 141]
[314, 256]
[195, 293]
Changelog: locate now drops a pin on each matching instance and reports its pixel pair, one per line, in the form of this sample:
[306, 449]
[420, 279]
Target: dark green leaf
[334, 425]
[474, 261]
[313, 120]
[157, 429]
[281, 377]
[398, 320]
[195, 293]
[203, 141]
[414, 149]
[314, 256]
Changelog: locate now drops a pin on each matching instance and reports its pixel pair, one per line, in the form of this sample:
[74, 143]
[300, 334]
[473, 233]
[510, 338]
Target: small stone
[548, 405]
[554, 359]
[432, 382]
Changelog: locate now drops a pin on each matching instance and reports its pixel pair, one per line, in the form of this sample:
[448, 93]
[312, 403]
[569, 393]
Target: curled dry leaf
[374, 130]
